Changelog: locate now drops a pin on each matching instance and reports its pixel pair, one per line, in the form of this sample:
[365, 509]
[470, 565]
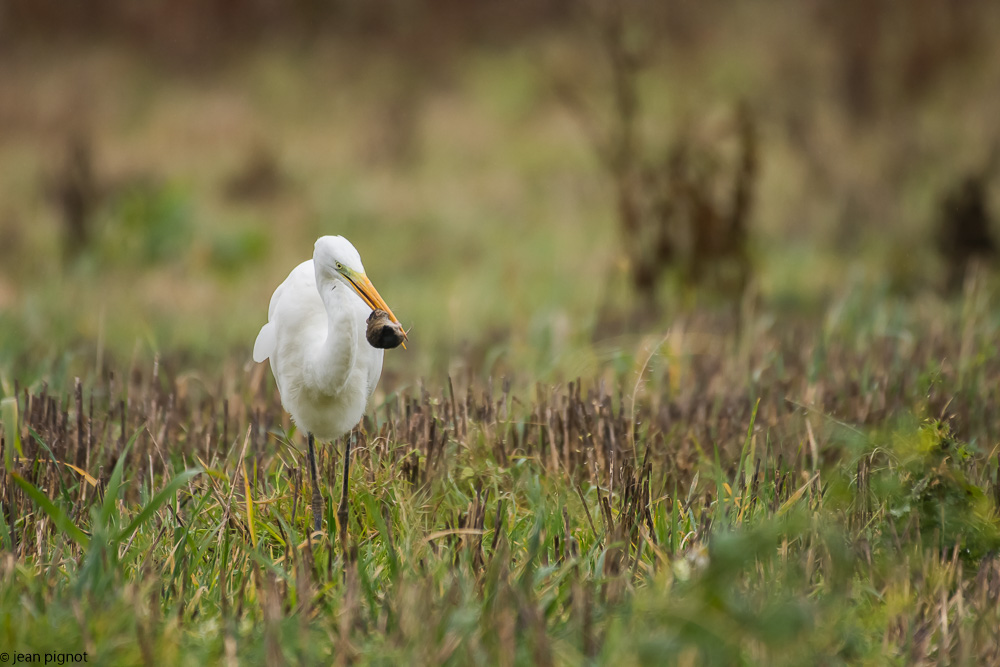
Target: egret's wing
[267, 339]
[276, 297]
[263, 347]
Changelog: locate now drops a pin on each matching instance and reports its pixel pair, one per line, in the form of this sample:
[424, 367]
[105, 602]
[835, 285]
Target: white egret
[315, 337]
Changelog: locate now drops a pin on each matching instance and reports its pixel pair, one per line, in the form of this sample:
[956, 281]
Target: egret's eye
[340, 266]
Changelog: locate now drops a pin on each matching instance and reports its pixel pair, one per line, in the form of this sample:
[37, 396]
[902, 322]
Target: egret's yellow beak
[370, 295]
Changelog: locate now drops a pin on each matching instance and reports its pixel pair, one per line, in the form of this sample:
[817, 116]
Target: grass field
[803, 473]
[789, 496]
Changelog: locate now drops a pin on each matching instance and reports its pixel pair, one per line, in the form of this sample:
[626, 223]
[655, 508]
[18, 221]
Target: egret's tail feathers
[264, 345]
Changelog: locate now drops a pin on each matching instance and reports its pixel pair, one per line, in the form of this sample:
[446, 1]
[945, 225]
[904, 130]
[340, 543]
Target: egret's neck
[335, 357]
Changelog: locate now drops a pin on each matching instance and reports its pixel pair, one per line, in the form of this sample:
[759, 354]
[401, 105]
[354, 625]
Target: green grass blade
[63, 491]
[114, 484]
[55, 512]
[674, 521]
[5, 540]
[154, 504]
[372, 507]
[8, 415]
[747, 454]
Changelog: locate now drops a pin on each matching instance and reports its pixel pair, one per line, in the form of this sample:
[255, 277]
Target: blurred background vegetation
[533, 185]
[746, 251]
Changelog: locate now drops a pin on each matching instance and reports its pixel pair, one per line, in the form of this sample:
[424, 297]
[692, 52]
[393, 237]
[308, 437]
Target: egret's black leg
[317, 499]
[342, 509]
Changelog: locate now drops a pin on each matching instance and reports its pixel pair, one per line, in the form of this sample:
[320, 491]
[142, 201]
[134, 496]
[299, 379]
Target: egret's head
[334, 254]
[335, 258]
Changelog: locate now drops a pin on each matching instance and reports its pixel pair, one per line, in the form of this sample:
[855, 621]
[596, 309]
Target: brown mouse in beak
[382, 332]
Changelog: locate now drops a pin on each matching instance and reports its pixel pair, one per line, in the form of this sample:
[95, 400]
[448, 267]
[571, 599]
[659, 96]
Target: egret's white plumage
[315, 340]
